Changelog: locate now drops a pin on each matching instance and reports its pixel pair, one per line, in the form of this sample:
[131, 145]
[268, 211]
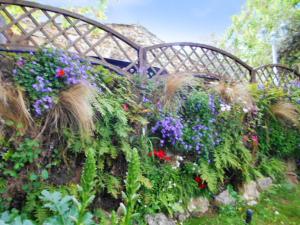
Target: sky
[199, 21]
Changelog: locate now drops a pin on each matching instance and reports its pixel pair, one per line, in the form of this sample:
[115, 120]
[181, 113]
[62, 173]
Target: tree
[252, 32]
[98, 10]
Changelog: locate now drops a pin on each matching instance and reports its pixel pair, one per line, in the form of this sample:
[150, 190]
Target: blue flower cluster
[48, 71]
[170, 129]
[42, 85]
[43, 104]
[75, 70]
[196, 129]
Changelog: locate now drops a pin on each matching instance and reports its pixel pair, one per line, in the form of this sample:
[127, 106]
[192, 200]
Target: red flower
[200, 182]
[202, 186]
[161, 154]
[167, 158]
[198, 179]
[60, 73]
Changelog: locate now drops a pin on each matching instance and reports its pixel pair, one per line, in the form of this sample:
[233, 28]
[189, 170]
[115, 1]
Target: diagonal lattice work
[277, 76]
[28, 26]
[198, 59]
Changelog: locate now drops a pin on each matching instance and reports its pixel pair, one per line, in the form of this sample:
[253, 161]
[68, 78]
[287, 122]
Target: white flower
[225, 107]
[245, 110]
[179, 158]
[276, 213]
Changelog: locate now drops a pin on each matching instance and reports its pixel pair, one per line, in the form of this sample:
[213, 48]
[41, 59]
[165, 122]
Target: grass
[279, 205]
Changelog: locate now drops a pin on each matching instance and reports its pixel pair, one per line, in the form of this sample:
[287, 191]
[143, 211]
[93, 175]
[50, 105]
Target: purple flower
[212, 104]
[20, 62]
[145, 100]
[41, 85]
[296, 84]
[170, 129]
[43, 105]
[261, 87]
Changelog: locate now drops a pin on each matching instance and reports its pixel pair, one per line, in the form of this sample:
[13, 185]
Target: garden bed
[82, 145]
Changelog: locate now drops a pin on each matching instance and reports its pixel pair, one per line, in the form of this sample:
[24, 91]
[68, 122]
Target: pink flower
[125, 107]
[255, 139]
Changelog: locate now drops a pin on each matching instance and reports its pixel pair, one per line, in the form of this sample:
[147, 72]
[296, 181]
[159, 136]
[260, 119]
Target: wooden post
[2, 24]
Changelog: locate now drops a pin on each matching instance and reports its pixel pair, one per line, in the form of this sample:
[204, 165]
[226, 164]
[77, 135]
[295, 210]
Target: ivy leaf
[45, 174]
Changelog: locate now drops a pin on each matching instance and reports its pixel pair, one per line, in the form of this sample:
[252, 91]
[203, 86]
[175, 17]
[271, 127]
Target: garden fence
[26, 26]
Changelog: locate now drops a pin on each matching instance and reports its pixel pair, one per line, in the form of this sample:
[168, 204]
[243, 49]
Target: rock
[264, 183]
[182, 216]
[291, 165]
[224, 198]
[198, 206]
[250, 191]
[159, 219]
[292, 177]
[252, 203]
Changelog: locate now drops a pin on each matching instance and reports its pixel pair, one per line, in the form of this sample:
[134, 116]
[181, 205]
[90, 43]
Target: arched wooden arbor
[27, 26]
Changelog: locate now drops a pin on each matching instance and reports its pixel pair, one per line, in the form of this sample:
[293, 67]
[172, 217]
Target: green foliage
[65, 210]
[15, 160]
[272, 167]
[98, 10]
[33, 207]
[212, 149]
[279, 205]
[167, 189]
[245, 36]
[87, 185]
[112, 128]
[13, 218]
[132, 186]
[27, 152]
[209, 174]
[278, 139]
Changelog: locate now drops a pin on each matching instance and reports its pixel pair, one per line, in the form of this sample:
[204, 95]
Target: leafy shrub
[278, 139]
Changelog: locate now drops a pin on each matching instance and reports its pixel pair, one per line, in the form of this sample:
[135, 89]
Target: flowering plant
[200, 134]
[201, 184]
[161, 154]
[170, 130]
[45, 73]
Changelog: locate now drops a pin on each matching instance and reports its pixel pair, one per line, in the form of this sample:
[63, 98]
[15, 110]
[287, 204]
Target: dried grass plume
[73, 110]
[286, 111]
[234, 93]
[13, 107]
[175, 83]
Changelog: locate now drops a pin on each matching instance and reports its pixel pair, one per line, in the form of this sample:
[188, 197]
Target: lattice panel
[31, 26]
[276, 76]
[196, 59]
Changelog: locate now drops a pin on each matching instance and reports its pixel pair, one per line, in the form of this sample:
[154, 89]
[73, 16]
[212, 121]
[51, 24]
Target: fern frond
[209, 175]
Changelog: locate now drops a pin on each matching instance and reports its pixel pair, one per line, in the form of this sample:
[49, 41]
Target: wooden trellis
[193, 58]
[27, 26]
[276, 75]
